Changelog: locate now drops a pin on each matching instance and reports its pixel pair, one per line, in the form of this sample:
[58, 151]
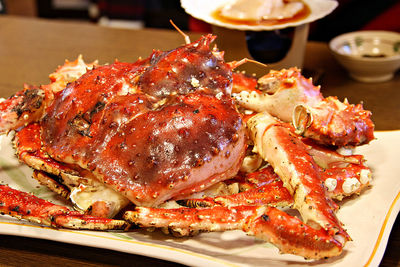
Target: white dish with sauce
[209, 11]
[369, 56]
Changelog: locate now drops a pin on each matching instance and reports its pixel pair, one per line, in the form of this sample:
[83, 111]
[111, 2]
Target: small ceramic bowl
[369, 56]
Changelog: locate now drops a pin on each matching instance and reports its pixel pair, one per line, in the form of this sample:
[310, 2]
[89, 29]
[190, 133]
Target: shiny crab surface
[186, 145]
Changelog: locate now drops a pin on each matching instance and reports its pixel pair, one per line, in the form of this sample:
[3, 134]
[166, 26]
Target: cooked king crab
[156, 129]
[164, 128]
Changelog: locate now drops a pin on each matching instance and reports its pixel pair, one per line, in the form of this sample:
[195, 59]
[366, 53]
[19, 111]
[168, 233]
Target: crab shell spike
[218, 54]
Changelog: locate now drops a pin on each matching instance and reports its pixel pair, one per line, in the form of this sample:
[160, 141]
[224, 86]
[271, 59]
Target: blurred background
[351, 15]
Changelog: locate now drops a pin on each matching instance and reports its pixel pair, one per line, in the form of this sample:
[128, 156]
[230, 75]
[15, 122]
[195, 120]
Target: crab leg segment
[242, 82]
[288, 233]
[292, 236]
[277, 144]
[343, 182]
[266, 188]
[26, 206]
[263, 187]
[326, 157]
[273, 194]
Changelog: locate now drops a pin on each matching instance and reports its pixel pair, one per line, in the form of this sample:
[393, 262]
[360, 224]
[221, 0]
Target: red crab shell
[153, 130]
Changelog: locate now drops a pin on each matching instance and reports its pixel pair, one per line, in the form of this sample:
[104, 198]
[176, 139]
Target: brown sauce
[374, 56]
[305, 12]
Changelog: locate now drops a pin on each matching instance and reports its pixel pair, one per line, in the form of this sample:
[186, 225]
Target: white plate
[368, 219]
[203, 10]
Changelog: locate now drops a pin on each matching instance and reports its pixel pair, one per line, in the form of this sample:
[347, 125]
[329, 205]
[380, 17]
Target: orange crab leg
[288, 233]
[345, 181]
[276, 143]
[262, 187]
[289, 96]
[26, 206]
[273, 194]
[292, 236]
[342, 175]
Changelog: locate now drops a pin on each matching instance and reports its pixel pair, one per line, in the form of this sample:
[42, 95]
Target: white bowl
[369, 56]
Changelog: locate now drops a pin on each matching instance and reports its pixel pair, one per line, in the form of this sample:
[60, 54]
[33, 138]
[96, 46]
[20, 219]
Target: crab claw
[335, 123]
[287, 233]
[278, 93]
[26, 206]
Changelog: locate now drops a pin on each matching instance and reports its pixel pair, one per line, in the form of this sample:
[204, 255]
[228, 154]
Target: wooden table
[31, 49]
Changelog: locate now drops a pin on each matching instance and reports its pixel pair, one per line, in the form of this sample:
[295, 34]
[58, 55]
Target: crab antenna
[235, 64]
[187, 39]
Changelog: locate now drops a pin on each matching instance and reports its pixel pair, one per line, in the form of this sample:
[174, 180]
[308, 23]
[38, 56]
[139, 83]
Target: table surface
[30, 49]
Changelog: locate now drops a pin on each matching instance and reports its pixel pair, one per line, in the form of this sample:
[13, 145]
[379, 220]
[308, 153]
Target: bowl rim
[333, 44]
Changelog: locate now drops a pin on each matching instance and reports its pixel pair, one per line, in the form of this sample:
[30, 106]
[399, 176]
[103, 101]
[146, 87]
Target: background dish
[368, 218]
[203, 9]
[369, 56]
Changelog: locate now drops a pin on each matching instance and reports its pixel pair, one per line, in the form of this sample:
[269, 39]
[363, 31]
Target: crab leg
[288, 233]
[277, 144]
[289, 96]
[346, 181]
[26, 206]
[342, 175]
[273, 194]
[326, 157]
[263, 187]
